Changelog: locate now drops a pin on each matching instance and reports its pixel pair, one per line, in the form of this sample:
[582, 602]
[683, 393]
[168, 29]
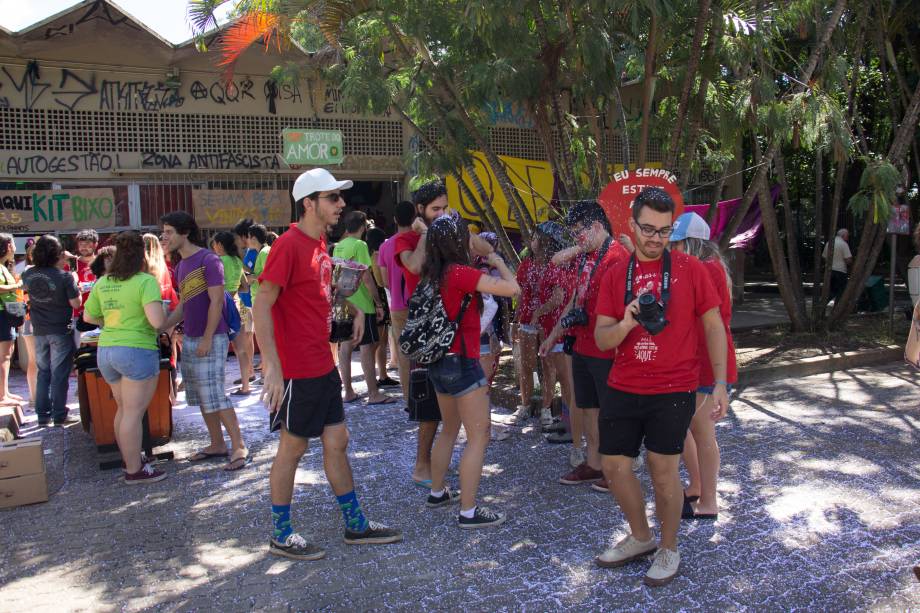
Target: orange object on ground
[97, 395]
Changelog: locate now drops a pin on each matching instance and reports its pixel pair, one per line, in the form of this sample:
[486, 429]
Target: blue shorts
[7, 332]
[129, 362]
[455, 375]
[708, 390]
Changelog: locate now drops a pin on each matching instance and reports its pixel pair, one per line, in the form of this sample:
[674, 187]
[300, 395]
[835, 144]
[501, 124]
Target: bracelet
[725, 383]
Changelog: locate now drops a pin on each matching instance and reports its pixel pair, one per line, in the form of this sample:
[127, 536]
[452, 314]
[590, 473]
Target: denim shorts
[455, 375]
[709, 389]
[129, 362]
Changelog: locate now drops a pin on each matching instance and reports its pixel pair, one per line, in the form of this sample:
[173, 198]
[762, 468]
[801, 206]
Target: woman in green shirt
[8, 287]
[224, 245]
[126, 302]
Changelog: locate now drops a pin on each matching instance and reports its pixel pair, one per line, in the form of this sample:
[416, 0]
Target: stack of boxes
[22, 473]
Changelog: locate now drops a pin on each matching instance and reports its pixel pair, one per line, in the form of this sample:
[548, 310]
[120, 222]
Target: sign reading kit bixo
[57, 210]
[311, 147]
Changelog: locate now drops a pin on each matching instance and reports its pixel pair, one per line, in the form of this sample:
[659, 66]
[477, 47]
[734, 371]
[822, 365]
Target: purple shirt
[196, 274]
[386, 257]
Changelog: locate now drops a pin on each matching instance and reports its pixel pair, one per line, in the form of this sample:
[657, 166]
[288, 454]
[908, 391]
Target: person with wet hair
[103, 261]
[588, 224]
[652, 308]
[525, 335]
[430, 201]
[457, 377]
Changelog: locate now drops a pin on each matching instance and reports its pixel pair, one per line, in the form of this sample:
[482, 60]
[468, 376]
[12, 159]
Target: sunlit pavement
[820, 489]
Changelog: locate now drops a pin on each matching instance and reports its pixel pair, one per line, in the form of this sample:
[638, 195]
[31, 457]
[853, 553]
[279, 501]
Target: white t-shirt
[841, 254]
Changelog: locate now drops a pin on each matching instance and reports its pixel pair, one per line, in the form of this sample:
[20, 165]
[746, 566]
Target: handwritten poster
[41, 211]
[619, 194]
[222, 208]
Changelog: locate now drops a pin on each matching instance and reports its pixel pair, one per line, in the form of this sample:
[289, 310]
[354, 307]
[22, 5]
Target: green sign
[311, 147]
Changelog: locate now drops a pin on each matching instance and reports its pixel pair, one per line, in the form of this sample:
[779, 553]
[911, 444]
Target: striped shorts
[204, 377]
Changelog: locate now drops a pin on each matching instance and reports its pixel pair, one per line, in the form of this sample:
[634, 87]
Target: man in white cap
[302, 388]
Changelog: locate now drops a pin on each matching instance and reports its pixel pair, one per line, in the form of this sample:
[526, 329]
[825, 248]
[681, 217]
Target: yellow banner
[532, 180]
[64, 210]
[221, 208]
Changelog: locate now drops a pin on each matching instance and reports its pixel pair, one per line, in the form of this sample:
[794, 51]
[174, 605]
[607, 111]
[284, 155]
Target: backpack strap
[463, 306]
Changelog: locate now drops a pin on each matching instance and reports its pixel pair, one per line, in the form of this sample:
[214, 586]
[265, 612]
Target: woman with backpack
[457, 377]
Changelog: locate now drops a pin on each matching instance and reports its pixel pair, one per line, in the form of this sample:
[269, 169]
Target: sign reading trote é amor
[57, 210]
[311, 147]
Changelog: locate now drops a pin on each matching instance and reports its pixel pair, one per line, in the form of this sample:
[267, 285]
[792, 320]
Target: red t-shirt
[587, 297]
[528, 277]
[553, 277]
[302, 314]
[720, 282]
[84, 276]
[407, 241]
[460, 281]
[667, 362]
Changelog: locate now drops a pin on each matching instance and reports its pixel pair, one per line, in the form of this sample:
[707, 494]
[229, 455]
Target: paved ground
[820, 489]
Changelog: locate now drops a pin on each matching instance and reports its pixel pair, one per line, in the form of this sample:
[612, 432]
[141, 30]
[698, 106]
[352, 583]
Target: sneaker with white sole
[147, 474]
[295, 547]
[664, 568]
[576, 457]
[447, 497]
[521, 415]
[482, 518]
[546, 416]
[624, 552]
[374, 534]
[499, 433]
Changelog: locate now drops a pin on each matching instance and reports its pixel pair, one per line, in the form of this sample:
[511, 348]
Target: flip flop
[690, 498]
[353, 400]
[200, 456]
[238, 463]
[387, 400]
[240, 392]
[425, 484]
[694, 515]
[387, 382]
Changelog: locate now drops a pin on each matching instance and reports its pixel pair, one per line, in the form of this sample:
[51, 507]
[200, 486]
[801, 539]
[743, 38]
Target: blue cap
[689, 225]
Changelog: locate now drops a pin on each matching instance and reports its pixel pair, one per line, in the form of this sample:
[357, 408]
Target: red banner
[618, 196]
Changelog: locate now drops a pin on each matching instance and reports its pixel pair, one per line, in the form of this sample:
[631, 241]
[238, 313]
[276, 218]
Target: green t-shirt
[120, 304]
[355, 249]
[257, 270]
[233, 272]
[7, 278]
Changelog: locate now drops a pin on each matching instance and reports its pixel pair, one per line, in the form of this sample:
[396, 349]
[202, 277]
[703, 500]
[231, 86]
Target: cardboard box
[22, 473]
[27, 489]
[21, 458]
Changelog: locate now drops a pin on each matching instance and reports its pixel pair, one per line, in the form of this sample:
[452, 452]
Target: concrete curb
[819, 365]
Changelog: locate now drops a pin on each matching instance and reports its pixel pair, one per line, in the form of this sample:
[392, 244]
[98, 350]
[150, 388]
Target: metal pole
[894, 251]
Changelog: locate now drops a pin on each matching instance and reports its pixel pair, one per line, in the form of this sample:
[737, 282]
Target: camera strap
[665, 279]
[581, 268]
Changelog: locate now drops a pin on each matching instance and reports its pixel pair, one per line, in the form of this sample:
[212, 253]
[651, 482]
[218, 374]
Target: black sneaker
[296, 548]
[482, 518]
[448, 497]
[66, 421]
[556, 426]
[374, 534]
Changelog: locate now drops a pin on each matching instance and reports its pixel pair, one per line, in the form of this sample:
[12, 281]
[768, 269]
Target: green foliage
[876, 189]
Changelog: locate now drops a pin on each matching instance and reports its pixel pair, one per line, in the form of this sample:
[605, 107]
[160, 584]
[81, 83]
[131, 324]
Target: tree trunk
[648, 89]
[819, 232]
[792, 237]
[836, 201]
[693, 62]
[601, 161]
[484, 209]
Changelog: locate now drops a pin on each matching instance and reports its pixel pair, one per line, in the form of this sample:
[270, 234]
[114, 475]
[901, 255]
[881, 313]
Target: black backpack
[429, 332]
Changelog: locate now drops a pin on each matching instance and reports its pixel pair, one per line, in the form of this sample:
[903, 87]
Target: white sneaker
[521, 415]
[546, 416]
[499, 433]
[576, 457]
[625, 551]
[664, 568]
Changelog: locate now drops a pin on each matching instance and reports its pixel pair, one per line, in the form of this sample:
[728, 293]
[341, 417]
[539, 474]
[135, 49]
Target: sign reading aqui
[311, 147]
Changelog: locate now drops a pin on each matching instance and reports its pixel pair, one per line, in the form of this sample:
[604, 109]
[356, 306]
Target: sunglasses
[333, 198]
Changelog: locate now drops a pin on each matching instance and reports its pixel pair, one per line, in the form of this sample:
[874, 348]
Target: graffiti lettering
[82, 162]
[335, 105]
[138, 96]
[198, 90]
[63, 30]
[80, 89]
[29, 85]
[100, 10]
[229, 161]
[151, 159]
[4, 102]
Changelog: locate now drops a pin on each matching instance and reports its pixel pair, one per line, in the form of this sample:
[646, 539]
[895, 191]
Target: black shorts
[309, 405]
[660, 420]
[590, 377]
[371, 331]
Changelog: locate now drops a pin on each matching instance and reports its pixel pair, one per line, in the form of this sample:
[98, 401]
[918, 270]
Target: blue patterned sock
[281, 522]
[351, 510]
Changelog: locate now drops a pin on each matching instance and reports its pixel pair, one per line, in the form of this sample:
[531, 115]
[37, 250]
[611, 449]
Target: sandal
[200, 456]
[238, 463]
[387, 382]
[240, 392]
[386, 400]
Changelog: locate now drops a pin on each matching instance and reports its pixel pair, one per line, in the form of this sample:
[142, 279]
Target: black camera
[651, 314]
[576, 317]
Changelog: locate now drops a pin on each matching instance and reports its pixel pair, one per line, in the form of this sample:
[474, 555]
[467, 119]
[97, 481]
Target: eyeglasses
[650, 231]
[333, 198]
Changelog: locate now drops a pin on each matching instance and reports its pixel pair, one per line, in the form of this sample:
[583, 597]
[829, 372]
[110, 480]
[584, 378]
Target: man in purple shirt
[204, 349]
[393, 278]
